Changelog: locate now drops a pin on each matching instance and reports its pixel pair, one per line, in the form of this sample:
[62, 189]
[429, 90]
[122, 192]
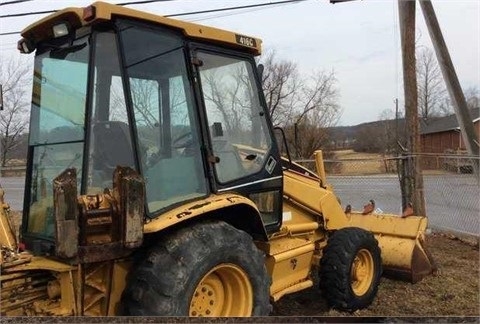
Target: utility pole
[412, 190]
[451, 80]
[396, 120]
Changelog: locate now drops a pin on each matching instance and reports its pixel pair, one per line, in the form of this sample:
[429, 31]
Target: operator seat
[112, 147]
[229, 166]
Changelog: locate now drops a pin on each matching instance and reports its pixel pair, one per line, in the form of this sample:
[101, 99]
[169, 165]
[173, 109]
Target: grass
[351, 154]
[359, 163]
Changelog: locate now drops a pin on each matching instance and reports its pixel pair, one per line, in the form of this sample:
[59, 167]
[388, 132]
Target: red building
[443, 136]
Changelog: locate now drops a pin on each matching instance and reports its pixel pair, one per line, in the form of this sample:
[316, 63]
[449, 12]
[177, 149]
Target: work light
[60, 30]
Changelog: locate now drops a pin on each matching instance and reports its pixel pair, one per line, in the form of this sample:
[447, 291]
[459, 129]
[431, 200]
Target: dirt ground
[453, 291]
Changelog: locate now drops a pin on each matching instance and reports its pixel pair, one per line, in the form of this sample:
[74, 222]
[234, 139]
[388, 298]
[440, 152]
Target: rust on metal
[183, 214]
[129, 191]
[66, 213]
[422, 264]
[200, 205]
[20, 291]
[102, 252]
[111, 224]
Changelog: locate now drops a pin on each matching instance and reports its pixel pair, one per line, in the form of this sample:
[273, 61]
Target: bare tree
[315, 108]
[472, 97]
[227, 95]
[280, 83]
[304, 106]
[431, 87]
[145, 99]
[389, 132]
[14, 118]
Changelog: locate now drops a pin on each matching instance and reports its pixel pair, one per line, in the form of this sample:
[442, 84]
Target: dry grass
[351, 154]
[360, 163]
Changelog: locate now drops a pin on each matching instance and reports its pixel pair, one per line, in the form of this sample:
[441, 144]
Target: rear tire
[351, 268]
[209, 269]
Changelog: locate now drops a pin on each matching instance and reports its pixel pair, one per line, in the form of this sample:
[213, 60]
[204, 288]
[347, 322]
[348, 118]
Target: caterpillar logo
[245, 40]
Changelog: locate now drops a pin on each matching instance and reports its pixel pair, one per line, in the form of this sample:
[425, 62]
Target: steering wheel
[183, 141]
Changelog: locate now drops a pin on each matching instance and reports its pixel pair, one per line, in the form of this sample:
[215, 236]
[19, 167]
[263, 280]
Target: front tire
[351, 268]
[209, 269]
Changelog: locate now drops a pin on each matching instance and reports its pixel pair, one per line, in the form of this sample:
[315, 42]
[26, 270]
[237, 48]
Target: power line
[31, 13]
[139, 2]
[223, 15]
[233, 8]
[13, 2]
[9, 33]
[21, 14]
[176, 15]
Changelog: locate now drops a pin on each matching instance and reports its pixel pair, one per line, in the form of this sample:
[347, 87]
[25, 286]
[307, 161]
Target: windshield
[57, 127]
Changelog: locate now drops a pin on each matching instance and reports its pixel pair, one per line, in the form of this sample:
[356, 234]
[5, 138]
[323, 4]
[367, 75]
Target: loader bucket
[402, 241]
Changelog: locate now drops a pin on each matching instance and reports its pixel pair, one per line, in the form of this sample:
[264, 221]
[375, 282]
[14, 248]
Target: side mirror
[260, 69]
[217, 129]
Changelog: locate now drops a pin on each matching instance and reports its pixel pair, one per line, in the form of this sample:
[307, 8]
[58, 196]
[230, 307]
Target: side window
[110, 139]
[165, 116]
[180, 119]
[237, 124]
[117, 108]
[145, 99]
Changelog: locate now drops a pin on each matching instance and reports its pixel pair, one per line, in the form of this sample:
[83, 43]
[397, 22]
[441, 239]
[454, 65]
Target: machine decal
[245, 40]
[270, 166]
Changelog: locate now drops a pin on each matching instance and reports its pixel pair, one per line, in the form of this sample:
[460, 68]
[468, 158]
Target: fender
[226, 206]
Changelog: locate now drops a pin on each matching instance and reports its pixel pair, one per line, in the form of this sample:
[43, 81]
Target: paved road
[13, 187]
[452, 201]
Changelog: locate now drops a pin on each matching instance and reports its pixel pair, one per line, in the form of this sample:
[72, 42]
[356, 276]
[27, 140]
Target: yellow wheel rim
[362, 272]
[223, 291]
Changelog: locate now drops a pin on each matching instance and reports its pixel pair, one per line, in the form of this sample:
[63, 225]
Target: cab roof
[101, 12]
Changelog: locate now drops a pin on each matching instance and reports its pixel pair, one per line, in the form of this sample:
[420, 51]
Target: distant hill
[375, 137]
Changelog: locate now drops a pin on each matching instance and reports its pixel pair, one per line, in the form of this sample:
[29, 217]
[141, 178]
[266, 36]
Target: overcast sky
[358, 40]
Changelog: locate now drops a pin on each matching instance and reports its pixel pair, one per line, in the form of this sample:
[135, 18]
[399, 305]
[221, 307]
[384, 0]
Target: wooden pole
[412, 190]
[451, 80]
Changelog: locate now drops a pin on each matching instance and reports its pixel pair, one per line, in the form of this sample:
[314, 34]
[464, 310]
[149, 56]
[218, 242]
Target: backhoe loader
[155, 185]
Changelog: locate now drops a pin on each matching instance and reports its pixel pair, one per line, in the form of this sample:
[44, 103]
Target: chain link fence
[451, 188]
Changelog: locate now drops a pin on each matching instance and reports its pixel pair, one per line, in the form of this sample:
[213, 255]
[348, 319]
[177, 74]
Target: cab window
[237, 125]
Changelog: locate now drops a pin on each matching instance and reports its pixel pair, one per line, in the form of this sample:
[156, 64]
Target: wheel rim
[223, 291]
[362, 272]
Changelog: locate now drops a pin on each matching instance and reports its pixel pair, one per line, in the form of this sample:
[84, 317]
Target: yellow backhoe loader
[155, 185]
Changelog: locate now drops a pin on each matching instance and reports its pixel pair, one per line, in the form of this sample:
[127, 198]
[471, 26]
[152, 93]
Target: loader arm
[7, 234]
[402, 240]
